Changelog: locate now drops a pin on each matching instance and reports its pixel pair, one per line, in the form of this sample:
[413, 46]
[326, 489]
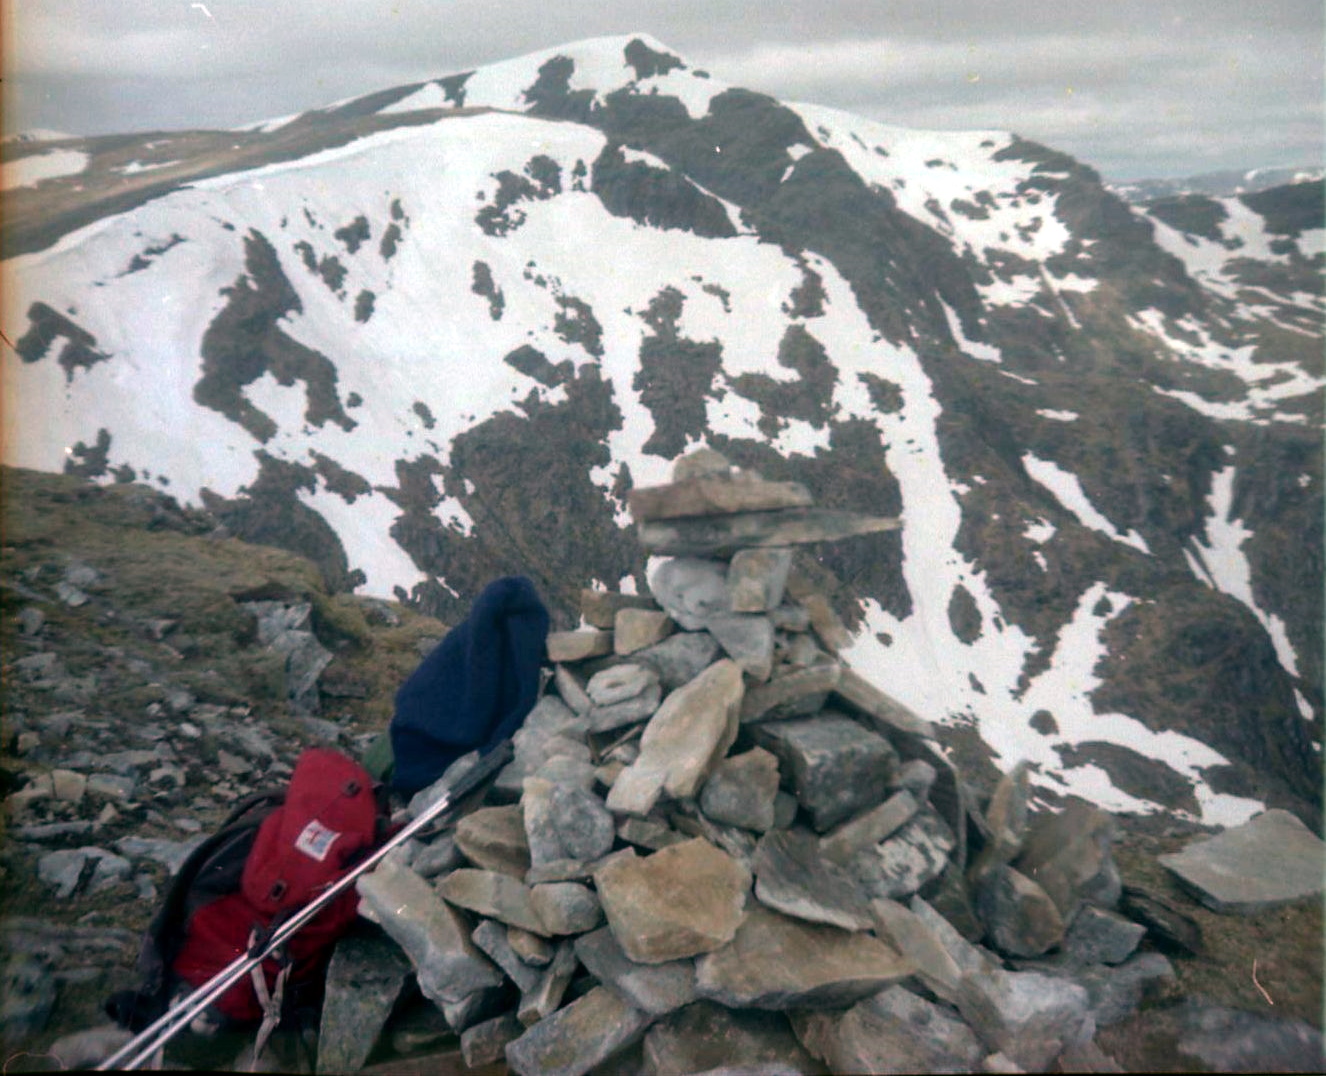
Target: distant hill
[1224, 183]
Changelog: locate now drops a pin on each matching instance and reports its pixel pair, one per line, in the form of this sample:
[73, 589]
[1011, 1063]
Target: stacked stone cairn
[719, 848]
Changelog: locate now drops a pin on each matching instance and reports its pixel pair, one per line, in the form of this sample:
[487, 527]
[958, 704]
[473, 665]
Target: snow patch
[1226, 565]
[1067, 489]
[38, 167]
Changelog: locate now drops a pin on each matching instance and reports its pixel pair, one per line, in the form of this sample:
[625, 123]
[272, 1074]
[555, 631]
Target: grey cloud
[1153, 83]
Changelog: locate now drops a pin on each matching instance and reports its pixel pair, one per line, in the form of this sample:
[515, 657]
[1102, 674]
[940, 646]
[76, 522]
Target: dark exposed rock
[836, 766]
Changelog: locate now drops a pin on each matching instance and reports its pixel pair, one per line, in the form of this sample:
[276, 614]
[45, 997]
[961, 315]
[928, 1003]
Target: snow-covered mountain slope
[434, 335]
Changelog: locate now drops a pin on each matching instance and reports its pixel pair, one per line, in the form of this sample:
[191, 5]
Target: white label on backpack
[316, 840]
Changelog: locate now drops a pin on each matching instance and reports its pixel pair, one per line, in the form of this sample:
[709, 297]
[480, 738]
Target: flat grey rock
[655, 988]
[449, 967]
[1268, 862]
[680, 658]
[777, 962]
[792, 877]
[1099, 936]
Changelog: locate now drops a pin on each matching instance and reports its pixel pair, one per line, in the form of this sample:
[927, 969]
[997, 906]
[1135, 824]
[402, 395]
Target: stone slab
[1271, 861]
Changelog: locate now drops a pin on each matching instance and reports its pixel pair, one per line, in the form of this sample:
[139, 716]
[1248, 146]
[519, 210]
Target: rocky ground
[155, 670]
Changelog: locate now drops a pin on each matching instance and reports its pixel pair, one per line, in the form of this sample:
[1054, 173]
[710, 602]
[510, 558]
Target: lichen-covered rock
[365, 977]
[837, 767]
[901, 865]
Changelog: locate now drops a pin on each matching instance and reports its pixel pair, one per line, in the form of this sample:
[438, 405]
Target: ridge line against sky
[1135, 89]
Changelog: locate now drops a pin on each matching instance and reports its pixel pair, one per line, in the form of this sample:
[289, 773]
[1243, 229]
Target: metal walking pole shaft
[166, 1027]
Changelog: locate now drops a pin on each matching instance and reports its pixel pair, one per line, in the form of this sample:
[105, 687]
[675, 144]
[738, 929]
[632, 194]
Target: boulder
[1029, 1017]
[866, 830]
[543, 999]
[692, 590]
[1021, 918]
[756, 579]
[907, 932]
[486, 1043]
[1099, 936]
[748, 639]
[707, 536]
[686, 899]
[493, 838]
[582, 823]
[635, 629]
[836, 767]
[797, 693]
[777, 962]
[494, 894]
[1069, 855]
[622, 695]
[600, 607]
[914, 856]
[715, 494]
[578, 645]
[680, 658]
[493, 938]
[566, 907]
[1233, 1040]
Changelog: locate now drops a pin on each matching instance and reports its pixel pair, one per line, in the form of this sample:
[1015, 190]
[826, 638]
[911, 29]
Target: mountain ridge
[1097, 422]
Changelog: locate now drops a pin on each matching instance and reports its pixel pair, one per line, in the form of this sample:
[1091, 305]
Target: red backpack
[276, 852]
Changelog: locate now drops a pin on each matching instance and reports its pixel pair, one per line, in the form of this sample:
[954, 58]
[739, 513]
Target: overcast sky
[1135, 88]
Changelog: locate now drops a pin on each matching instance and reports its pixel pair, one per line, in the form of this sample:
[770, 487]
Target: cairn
[718, 845]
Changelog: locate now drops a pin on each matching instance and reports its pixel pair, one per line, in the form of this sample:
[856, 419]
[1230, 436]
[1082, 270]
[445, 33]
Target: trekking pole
[156, 1035]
